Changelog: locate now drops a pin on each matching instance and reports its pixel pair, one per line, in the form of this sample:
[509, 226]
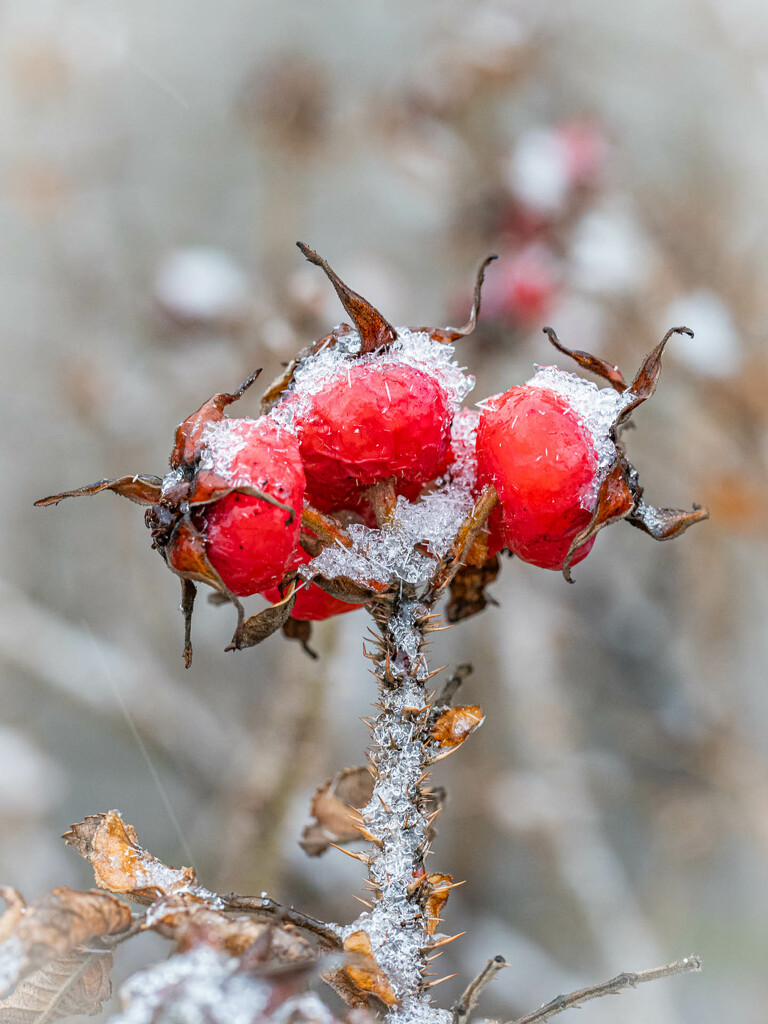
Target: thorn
[434, 673]
[407, 820]
[369, 836]
[434, 956]
[445, 941]
[440, 629]
[384, 805]
[453, 885]
[362, 857]
[365, 903]
[433, 815]
[439, 981]
[423, 777]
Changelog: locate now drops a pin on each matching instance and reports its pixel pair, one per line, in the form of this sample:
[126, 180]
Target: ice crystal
[596, 407]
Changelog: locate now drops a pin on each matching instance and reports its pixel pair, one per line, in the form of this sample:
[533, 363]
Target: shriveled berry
[248, 541]
[541, 458]
[370, 422]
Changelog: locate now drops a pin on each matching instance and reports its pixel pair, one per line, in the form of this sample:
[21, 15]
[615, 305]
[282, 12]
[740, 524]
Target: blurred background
[158, 162]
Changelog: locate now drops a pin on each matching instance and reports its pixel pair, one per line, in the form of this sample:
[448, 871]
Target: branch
[468, 1000]
[608, 988]
[267, 907]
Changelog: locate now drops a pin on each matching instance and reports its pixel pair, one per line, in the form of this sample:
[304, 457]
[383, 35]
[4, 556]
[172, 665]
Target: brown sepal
[455, 333]
[53, 926]
[120, 864]
[646, 379]
[263, 624]
[336, 809]
[451, 728]
[301, 631]
[437, 888]
[615, 501]
[189, 433]
[467, 588]
[665, 523]
[143, 490]
[362, 969]
[594, 364]
[375, 331]
[345, 589]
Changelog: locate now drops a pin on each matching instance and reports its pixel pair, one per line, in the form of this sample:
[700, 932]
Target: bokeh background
[157, 163]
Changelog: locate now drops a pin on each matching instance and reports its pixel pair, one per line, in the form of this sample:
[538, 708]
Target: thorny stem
[399, 924]
[630, 979]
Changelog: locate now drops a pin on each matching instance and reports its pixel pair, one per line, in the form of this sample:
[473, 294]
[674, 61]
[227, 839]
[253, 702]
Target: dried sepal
[52, 927]
[454, 725]
[188, 595]
[120, 864]
[336, 809]
[455, 333]
[647, 377]
[665, 523]
[263, 624]
[467, 589]
[436, 890]
[594, 364]
[301, 631]
[362, 969]
[345, 589]
[189, 434]
[78, 983]
[375, 331]
[615, 501]
[465, 537]
[142, 490]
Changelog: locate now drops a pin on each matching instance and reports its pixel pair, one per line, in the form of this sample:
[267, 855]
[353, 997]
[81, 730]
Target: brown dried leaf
[53, 926]
[665, 523]
[615, 501]
[336, 806]
[143, 490]
[438, 889]
[364, 972]
[644, 384]
[189, 433]
[375, 331]
[467, 589]
[594, 364]
[263, 624]
[453, 726]
[75, 984]
[120, 864]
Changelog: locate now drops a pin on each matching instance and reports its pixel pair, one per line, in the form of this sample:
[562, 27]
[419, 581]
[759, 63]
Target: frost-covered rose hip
[248, 541]
[541, 453]
[372, 421]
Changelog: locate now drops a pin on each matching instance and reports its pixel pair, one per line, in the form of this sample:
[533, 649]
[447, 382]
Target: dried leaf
[75, 984]
[615, 501]
[438, 888]
[594, 364]
[453, 726]
[375, 331]
[467, 589]
[644, 384]
[336, 806]
[120, 864]
[665, 523]
[189, 433]
[364, 972]
[264, 623]
[143, 490]
[52, 927]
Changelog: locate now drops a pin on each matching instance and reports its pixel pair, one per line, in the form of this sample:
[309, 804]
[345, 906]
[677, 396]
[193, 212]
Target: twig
[608, 988]
[267, 907]
[116, 939]
[468, 999]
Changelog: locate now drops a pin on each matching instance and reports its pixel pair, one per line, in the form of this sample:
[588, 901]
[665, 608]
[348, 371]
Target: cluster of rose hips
[247, 502]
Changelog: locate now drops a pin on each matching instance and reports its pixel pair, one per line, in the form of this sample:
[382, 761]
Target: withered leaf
[75, 984]
[437, 888]
[594, 364]
[263, 624]
[375, 331]
[453, 726]
[336, 807]
[52, 927]
[615, 501]
[362, 969]
[467, 589]
[143, 490]
[665, 523]
[120, 864]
